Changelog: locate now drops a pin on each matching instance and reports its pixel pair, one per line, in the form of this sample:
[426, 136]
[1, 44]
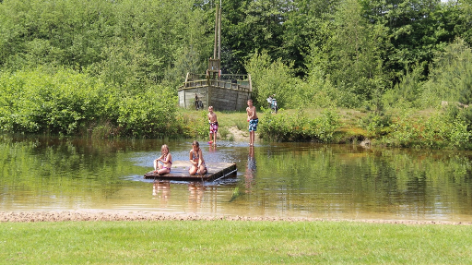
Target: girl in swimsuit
[196, 158]
[166, 161]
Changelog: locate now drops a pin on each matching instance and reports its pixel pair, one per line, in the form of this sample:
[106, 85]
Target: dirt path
[240, 135]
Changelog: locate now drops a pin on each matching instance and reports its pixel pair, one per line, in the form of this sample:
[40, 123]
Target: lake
[274, 179]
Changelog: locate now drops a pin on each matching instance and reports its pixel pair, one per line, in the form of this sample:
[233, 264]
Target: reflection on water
[196, 191]
[278, 179]
[250, 169]
[161, 190]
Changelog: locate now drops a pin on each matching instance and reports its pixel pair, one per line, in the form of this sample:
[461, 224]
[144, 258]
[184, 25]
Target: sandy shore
[63, 216]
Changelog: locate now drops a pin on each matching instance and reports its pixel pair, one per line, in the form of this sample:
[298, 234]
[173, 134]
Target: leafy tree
[416, 29]
[248, 26]
[303, 25]
[270, 77]
[351, 57]
[84, 34]
[451, 76]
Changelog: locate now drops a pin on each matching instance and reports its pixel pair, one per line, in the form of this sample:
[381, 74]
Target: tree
[303, 25]
[351, 57]
[270, 77]
[249, 26]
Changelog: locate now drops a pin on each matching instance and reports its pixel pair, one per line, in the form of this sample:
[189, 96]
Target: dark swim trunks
[253, 125]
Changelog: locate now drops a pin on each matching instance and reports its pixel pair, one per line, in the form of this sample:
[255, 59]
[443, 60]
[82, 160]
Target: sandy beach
[64, 216]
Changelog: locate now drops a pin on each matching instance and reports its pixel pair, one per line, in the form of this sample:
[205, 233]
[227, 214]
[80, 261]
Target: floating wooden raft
[180, 172]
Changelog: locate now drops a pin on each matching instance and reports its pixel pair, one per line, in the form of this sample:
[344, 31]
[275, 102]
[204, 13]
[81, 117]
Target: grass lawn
[232, 242]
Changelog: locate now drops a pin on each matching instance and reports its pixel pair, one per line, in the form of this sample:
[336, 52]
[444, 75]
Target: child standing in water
[166, 161]
[196, 158]
[253, 121]
[213, 121]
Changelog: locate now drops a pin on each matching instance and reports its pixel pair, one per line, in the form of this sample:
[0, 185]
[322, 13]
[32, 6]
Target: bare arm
[169, 159]
[200, 159]
[191, 159]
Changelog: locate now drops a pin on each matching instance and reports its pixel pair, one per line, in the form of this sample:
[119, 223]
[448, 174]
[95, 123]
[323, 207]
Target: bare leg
[251, 138]
[163, 171]
[192, 170]
[202, 170]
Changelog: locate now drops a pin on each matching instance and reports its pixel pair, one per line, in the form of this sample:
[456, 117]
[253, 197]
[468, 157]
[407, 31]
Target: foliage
[407, 91]
[376, 124]
[435, 131]
[451, 76]
[356, 54]
[283, 127]
[138, 39]
[68, 102]
[148, 114]
[270, 77]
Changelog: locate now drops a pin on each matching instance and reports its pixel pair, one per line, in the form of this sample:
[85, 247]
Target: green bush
[376, 124]
[68, 102]
[286, 127]
[436, 131]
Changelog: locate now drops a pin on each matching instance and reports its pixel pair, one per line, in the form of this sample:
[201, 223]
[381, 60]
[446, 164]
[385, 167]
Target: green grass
[233, 242]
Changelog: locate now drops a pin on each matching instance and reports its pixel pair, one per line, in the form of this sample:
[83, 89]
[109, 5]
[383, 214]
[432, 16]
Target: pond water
[273, 179]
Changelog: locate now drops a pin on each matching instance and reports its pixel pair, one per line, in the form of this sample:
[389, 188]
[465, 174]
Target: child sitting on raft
[166, 161]
[196, 158]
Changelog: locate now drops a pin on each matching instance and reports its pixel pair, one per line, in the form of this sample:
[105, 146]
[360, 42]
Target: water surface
[273, 179]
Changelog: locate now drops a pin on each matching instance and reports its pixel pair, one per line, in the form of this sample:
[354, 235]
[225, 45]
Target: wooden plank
[179, 171]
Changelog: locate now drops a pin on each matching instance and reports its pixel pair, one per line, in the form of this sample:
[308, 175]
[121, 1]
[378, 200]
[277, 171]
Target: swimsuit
[167, 162]
[213, 127]
[197, 157]
[253, 125]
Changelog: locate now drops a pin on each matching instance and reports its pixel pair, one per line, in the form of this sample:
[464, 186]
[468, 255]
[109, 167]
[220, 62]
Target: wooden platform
[180, 172]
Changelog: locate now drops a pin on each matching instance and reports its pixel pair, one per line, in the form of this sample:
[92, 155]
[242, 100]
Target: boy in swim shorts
[253, 121]
[213, 121]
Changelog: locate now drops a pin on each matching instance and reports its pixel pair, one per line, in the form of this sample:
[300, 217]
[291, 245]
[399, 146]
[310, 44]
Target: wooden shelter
[222, 91]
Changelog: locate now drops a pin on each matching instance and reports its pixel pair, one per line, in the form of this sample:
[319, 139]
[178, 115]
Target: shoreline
[78, 216]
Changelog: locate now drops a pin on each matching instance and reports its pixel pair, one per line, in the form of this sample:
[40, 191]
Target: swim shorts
[214, 127]
[253, 125]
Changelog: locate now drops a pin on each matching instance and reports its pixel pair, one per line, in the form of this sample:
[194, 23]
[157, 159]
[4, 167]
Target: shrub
[285, 126]
[66, 102]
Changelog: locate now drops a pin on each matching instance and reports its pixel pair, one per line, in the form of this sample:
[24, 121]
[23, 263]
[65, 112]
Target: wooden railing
[235, 82]
[215, 83]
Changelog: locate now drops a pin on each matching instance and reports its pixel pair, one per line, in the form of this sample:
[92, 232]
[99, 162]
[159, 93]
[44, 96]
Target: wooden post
[237, 96]
[216, 33]
[208, 96]
[219, 34]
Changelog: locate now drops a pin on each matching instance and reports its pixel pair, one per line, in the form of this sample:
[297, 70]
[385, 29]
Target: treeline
[78, 65]
[364, 54]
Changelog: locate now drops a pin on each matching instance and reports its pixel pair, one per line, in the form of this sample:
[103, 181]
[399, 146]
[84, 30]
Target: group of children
[163, 164]
[251, 118]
